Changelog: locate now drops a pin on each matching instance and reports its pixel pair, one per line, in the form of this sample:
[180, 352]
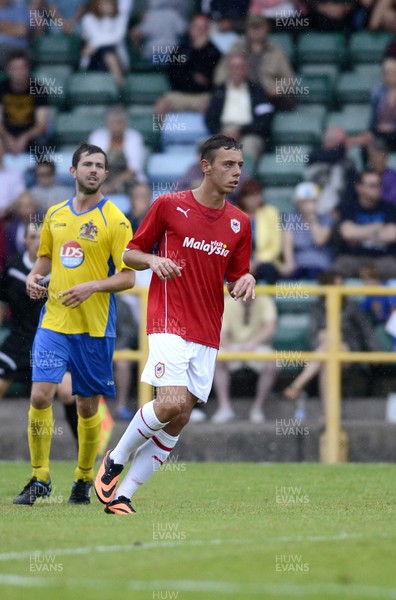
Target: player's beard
[88, 191]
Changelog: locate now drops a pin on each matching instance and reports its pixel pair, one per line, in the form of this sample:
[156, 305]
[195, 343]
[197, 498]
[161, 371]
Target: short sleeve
[46, 241]
[121, 233]
[239, 263]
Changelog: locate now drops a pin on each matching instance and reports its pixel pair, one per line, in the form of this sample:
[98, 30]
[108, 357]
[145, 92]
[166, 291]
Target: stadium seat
[92, 88]
[272, 171]
[315, 88]
[371, 70]
[313, 47]
[291, 299]
[168, 167]
[285, 41]
[281, 197]
[296, 128]
[353, 118]
[74, 127]
[143, 122]
[292, 332]
[145, 88]
[57, 49]
[366, 46]
[53, 80]
[332, 71]
[182, 128]
[355, 88]
[318, 110]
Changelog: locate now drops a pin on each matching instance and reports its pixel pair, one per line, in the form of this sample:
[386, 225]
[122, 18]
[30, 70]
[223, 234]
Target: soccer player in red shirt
[202, 239]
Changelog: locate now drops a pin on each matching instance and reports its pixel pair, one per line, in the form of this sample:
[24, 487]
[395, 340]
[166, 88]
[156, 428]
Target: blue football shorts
[89, 360]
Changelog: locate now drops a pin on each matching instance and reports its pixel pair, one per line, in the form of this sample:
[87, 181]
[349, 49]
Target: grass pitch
[207, 531]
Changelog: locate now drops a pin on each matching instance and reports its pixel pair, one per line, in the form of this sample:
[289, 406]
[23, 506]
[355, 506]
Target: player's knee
[40, 398]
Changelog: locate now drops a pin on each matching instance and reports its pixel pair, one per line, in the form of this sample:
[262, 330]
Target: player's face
[225, 170]
[90, 172]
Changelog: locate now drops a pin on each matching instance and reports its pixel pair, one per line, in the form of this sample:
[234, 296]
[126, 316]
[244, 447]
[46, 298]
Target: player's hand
[34, 288]
[74, 296]
[164, 268]
[244, 287]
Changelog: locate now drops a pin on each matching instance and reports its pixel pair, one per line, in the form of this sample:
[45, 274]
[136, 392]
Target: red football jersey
[210, 245]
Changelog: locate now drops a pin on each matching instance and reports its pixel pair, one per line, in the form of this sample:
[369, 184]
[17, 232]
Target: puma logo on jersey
[183, 211]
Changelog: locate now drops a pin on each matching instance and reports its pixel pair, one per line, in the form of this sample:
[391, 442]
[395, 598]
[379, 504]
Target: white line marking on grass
[219, 587]
[343, 536]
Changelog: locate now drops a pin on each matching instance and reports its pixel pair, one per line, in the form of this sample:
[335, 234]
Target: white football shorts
[174, 361]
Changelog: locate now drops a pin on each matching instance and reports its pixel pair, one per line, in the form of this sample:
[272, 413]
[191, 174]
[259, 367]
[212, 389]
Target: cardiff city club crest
[159, 370]
[235, 225]
[89, 231]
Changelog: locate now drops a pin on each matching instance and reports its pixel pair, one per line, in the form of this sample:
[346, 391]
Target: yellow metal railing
[334, 356]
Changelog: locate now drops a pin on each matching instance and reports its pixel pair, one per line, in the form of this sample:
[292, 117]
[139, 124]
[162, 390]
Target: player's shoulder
[56, 207]
[114, 215]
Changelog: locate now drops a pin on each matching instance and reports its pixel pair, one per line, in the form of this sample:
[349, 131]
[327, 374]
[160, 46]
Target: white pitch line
[303, 590]
[343, 536]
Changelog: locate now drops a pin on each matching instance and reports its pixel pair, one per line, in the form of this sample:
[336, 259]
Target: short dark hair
[47, 162]
[16, 55]
[89, 149]
[215, 142]
[251, 187]
[328, 277]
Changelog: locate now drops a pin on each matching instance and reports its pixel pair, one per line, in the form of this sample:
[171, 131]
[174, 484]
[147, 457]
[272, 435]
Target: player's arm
[241, 283]
[41, 268]
[76, 295]
[163, 267]
[244, 287]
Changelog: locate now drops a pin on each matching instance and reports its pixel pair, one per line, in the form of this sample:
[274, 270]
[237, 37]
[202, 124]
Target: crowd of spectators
[221, 62]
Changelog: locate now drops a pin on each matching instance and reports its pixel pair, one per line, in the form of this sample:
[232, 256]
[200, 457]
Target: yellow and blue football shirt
[83, 247]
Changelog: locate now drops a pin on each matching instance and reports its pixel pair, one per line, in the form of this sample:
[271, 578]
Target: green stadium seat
[75, 127]
[57, 49]
[4, 331]
[145, 88]
[315, 88]
[143, 122]
[296, 128]
[292, 333]
[274, 172]
[291, 299]
[330, 70]
[281, 197]
[367, 46]
[353, 118]
[53, 79]
[318, 110]
[354, 88]
[285, 41]
[92, 88]
[385, 340]
[371, 70]
[313, 47]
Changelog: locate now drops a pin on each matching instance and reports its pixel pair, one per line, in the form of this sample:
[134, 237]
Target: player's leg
[221, 384]
[91, 367]
[49, 362]
[152, 454]
[65, 395]
[166, 369]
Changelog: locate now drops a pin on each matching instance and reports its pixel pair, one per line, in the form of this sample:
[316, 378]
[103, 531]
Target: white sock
[143, 425]
[148, 459]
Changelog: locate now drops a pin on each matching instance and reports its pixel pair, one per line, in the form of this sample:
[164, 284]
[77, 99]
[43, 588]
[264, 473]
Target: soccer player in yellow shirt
[81, 245]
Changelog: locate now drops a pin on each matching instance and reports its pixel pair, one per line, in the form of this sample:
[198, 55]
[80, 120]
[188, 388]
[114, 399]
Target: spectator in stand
[11, 186]
[191, 78]
[273, 9]
[14, 30]
[247, 327]
[227, 18]
[307, 248]
[46, 191]
[241, 109]
[225, 9]
[357, 335]
[367, 230]
[24, 113]
[268, 64]
[332, 170]
[383, 106]
[26, 210]
[125, 151]
[383, 16]
[15, 351]
[126, 339]
[266, 232]
[103, 29]
[67, 15]
[140, 196]
[377, 159]
[330, 15]
[377, 308]
[157, 35]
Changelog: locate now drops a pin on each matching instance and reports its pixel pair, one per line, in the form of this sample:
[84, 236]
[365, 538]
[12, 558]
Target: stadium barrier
[333, 449]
